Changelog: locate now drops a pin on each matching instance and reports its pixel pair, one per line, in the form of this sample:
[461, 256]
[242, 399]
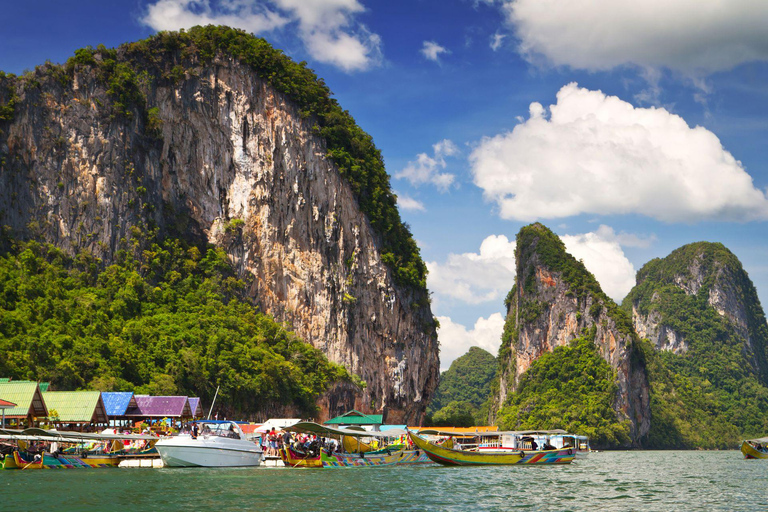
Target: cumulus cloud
[602, 254]
[431, 51]
[474, 278]
[692, 36]
[410, 204]
[326, 27]
[597, 154]
[426, 169]
[455, 339]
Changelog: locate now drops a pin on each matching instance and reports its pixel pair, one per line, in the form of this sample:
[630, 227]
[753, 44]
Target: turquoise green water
[605, 481]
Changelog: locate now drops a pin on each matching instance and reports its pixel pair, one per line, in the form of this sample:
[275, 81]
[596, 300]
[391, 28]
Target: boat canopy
[39, 434]
[315, 428]
[491, 433]
[760, 440]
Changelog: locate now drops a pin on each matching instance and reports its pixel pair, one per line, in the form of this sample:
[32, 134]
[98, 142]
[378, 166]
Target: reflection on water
[604, 481]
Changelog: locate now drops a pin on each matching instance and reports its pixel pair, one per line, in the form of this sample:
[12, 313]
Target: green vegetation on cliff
[168, 57]
[538, 239]
[714, 394]
[572, 388]
[169, 320]
[462, 394]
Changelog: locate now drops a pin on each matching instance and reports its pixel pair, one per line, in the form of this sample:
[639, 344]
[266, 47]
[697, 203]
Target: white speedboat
[218, 444]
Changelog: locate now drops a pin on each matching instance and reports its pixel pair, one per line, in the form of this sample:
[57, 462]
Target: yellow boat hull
[450, 457]
[750, 452]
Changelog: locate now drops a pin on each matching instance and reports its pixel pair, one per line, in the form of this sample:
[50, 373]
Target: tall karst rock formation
[700, 311]
[213, 134]
[555, 301]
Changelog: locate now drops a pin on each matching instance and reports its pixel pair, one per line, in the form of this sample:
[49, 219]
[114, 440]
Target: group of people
[274, 441]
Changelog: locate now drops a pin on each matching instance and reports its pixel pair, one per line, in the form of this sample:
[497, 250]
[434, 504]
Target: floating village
[46, 429]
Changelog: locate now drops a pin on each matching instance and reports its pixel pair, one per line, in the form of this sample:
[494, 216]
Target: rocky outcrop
[707, 274]
[556, 300]
[223, 157]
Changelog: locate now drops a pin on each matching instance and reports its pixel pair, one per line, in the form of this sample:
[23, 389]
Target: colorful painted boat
[25, 460]
[349, 460]
[294, 459]
[450, 457]
[753, 448]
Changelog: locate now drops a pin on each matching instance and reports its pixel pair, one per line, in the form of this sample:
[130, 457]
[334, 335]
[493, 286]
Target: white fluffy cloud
[431, 50]
[692, 36]
[598, 154]
[426, 169]
[410, 204]
[455, 339]
[326, 27]
[474, 278]
[602, 255]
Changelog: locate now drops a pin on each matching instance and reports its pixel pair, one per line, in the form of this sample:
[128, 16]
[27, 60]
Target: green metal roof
[27, 397]
[76, 406]
[355, 417]
[44, 386]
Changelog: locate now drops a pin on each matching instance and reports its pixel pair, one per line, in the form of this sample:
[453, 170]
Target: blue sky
[629, 128]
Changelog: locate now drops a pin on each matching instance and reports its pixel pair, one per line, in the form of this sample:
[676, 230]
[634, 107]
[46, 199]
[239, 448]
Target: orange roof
[460, 430]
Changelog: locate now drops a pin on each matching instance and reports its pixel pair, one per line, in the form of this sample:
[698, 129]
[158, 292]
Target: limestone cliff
[178, 136]
[554, 301]
[694, 278]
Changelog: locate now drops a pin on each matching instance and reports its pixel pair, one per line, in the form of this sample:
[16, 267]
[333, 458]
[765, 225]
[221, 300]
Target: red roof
[6, 403]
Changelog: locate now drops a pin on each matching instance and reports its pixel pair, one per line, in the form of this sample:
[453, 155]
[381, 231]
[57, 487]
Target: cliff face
[223, 157]
[556, 300]
[706, 276]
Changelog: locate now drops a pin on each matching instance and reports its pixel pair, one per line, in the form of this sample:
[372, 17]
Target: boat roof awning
[759, 440]
[39, 434]
[315, 428]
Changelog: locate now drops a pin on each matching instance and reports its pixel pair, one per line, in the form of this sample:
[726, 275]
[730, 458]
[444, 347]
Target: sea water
[632, 480]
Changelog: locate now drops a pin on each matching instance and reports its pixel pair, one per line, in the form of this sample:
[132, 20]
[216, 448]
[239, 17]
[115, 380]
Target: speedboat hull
[184, 451]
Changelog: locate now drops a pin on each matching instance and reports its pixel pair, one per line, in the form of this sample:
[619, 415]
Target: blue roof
[116, 403]
[384, 428]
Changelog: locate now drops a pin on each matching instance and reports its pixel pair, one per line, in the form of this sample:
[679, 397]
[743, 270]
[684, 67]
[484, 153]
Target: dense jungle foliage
[572, 388]
[169, 57]
[462, 394]
[712, 395]
[169, 319]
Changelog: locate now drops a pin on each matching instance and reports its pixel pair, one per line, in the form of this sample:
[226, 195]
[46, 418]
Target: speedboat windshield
[220, 428]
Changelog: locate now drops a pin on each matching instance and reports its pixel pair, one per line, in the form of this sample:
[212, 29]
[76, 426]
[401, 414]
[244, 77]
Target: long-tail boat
[755, 448]
[295, 459]
[393, 454]
[109, 456]
[452, 457]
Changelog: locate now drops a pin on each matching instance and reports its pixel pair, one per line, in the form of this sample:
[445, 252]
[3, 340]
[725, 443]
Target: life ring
[570, 451]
